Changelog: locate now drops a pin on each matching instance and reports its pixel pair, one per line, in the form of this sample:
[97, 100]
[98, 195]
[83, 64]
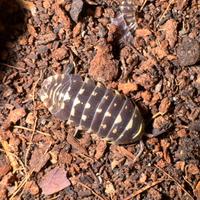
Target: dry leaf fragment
[39, 158]
[54, 181]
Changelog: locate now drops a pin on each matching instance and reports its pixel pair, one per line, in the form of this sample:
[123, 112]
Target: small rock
[180, 165]
[110, 190]
[143, 178]
[98, 12]
[60, 53]
[77, 29]
[170, 27]
[103, 67]
[54, 181]
[31, 187]
[30, 118]
[142, 32]
[197, 190]
[146, 95]
[195, 125]
[127, 87]
[76, 8]
[5, 167]
[182, 133]
[101, 147]
[47, 38]
[192, 169]
[188, 52]
[164, 105]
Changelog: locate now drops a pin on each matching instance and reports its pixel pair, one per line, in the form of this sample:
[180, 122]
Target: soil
[157, 65]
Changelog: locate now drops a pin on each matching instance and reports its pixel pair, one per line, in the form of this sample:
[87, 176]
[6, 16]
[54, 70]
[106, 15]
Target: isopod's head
[51, 91]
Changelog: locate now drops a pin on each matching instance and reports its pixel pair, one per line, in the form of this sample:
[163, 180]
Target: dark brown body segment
[92, 107]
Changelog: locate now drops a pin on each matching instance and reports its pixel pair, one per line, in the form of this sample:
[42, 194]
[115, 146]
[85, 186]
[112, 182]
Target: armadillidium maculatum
[125, 21]
[92, 107]
[127, 8]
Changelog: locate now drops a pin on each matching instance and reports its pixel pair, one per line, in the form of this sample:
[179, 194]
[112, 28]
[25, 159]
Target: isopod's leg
[140, 151]
[70, 68]
[157, 132]
[75, 143]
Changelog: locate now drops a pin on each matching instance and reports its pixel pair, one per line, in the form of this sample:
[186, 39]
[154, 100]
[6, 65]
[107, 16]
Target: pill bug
[128, 10]
[92, 107]
[125, 21]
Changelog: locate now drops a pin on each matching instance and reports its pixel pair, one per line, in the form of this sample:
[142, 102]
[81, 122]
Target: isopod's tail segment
[134, 129]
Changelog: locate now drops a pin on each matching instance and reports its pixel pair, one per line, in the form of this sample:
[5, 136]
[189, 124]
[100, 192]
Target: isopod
[92, 107]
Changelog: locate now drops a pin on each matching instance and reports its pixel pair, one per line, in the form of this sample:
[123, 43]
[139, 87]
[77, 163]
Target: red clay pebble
[103, 67]
[31, 187]
[188, 52]
[5, 166]
[60, 53]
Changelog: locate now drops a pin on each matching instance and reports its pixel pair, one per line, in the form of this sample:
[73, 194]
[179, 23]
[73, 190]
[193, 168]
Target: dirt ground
[156, 64]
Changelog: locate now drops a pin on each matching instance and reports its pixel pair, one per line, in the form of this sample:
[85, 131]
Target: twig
[29, 129]
[77, 155]
[143, 4]
[93, 192]
[23, 182]
[12, 159]
[10, 156]
[29, 145]
[164, 13]
[11, 66]
[144, 189]
[174, 181]
[35, 123]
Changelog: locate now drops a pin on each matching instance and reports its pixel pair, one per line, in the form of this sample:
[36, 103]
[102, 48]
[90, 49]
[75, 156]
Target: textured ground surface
[159, 69]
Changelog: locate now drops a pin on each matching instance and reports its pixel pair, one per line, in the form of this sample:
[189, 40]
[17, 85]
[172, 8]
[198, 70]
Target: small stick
[174, 181]
[20, 186]
[29, 129]
[143, 4]
[13, 161]
[29, 145]
[93, 192]
[11, 66]
[144, 189]
[164, 13]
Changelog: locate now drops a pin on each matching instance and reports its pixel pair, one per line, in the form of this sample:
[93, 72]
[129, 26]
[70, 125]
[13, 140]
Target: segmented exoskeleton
[126, 21]
[92, 107]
